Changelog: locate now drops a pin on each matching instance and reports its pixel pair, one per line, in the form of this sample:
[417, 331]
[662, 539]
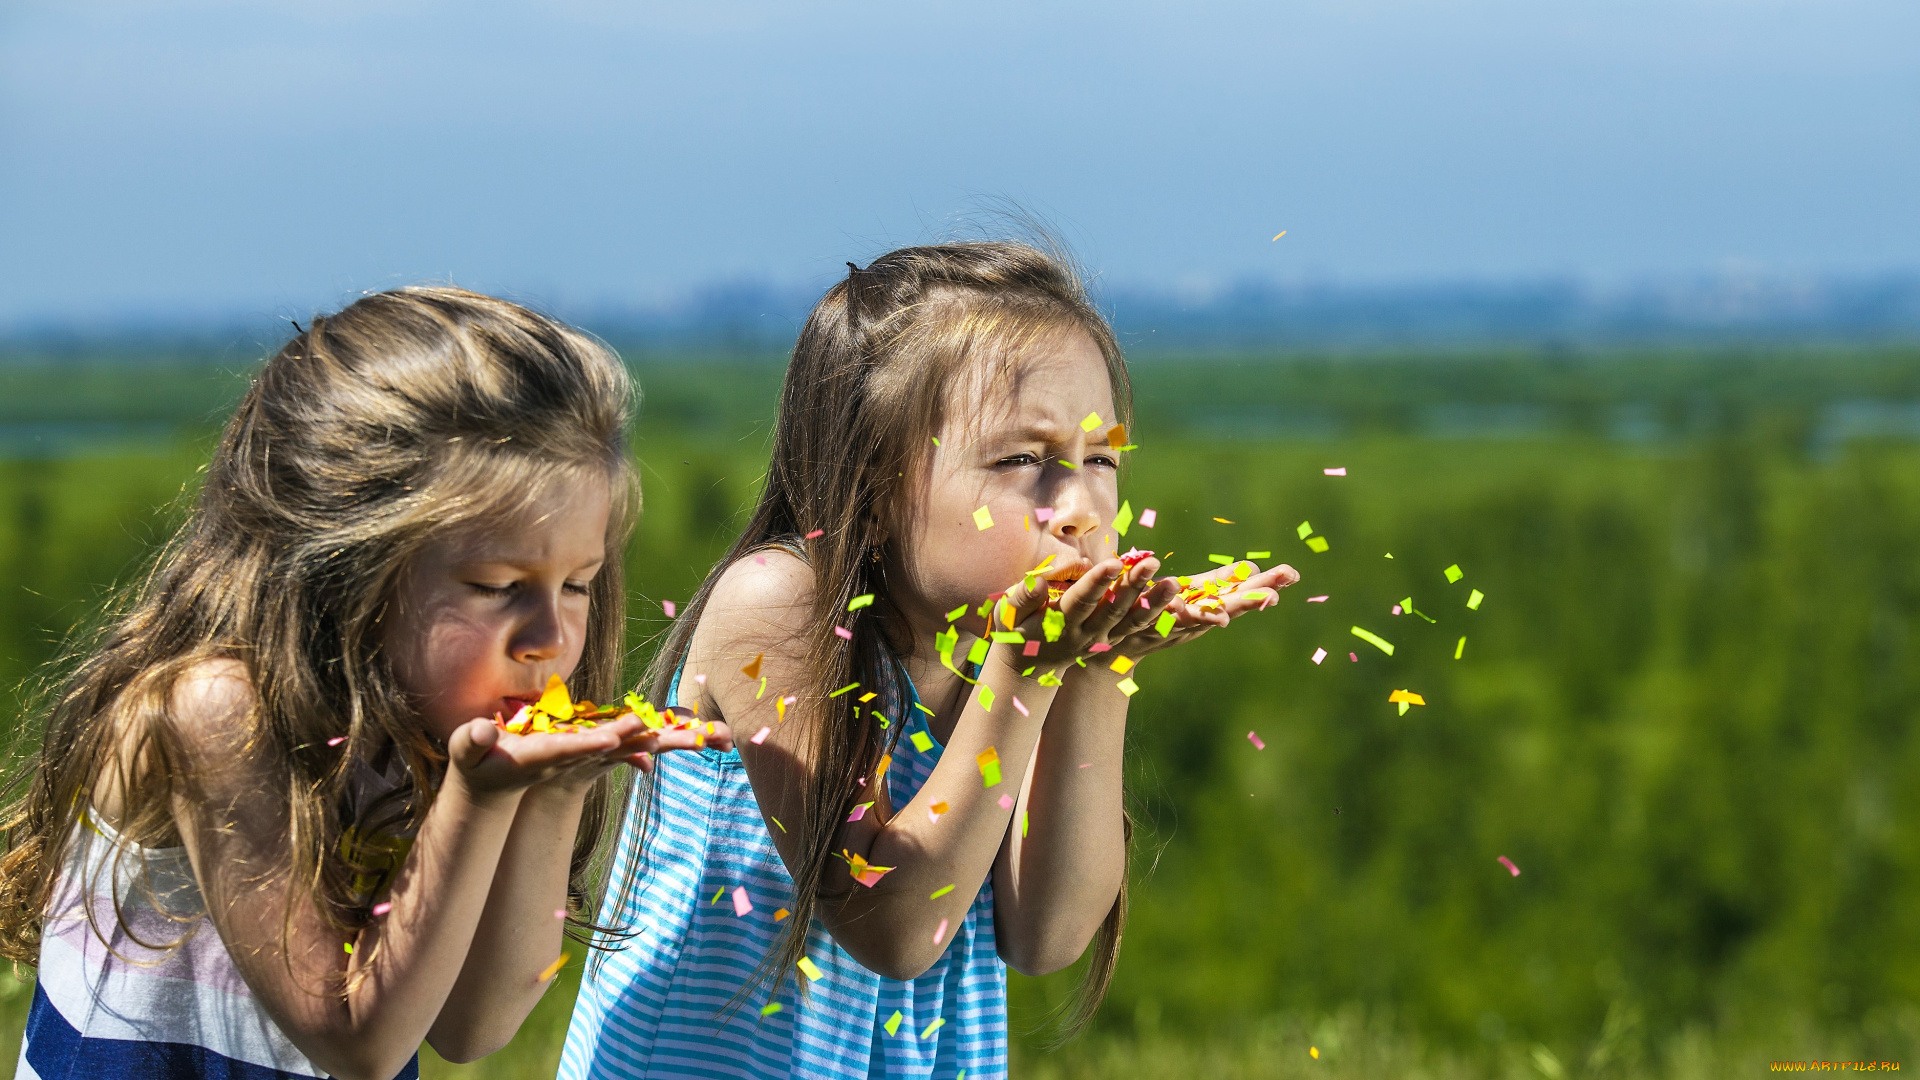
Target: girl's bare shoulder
[210, 701]
[767, 593]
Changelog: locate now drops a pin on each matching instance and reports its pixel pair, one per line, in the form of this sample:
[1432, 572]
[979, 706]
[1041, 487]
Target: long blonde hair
[868, 383]
[409, 413]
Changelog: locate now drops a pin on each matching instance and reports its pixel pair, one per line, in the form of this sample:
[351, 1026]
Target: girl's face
[484, 615]
[1003, 447]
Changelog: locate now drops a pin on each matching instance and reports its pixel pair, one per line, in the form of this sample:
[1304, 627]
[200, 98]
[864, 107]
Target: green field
[1685, 710]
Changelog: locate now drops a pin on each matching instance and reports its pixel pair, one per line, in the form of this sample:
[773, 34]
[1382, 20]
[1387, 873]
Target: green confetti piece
[956, 613]
[921, 742]
[1053, 623]
[1223, 560]
[1164, 623]
[771, 1008]
[716, 896]
[989, 762]
[1374, 639]
[858, 602]
[1123, 520]
[1023, 823]
[1051, 678]
[1318, 543]
[923, 708]
[847, 689]
[1460, 648]
[1454, 573]
[893, 1023]
[1473, 602]
[936, 440]
[938, 893]
[933, 1027]
[1305, 530]
[776, 821]
[978, 651]
[1008, 637]
[1065, 464]
[1259, 554]
[986, 700]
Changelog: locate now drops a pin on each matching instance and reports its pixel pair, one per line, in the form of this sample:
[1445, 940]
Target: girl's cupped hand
[492, 761]
[1137, 635]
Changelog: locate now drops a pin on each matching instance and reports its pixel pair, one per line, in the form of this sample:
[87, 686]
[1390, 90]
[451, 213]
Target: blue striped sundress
[651, 1009]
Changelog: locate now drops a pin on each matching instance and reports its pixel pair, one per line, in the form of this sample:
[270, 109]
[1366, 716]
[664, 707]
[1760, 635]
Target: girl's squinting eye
[1104, 461]
[491, 590]
[1018, 460]
[579, 588]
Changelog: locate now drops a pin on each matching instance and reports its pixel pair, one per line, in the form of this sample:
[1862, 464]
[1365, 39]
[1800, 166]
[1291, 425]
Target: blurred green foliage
[1684, 711]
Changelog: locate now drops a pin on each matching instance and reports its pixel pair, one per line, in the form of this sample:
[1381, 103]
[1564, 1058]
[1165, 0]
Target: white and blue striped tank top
[655, 1009]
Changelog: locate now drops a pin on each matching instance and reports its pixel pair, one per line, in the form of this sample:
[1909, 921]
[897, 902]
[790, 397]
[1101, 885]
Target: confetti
[1117, 435]
[560, 913]
[921, 741]
[1305, 530]
[1454, 573]
[1006, 802]
[1020, 707]
[1374, 639]
[1092, 421]
[989, 762]
[1099, 646]
[760, 737]
[348, 945]
[843, 633]
[781, 914]
[940, 934]
[936, 810]
[1315, 1051]
[1259, 554]
[1223, 521]
[1223, 560]
[986, 697]
[741, 905]
[933, 1027]
[1473, 602]
[1396, 609]
[1128, 687]
[1508, 863]
[1124, 519]
[1043, 514]
[816, 534]
[1278, 235]
[1406, 697]
[1317, 544]
[850, 687]
[1121, 664]
[859, 811]
[752, 671]
[1460, 648]
[1340, 471]
[554, 968]
[1353, 658]
[770, 1008]
[336, 740]
[893, 1023]
[701, 679]
[810, 969]
[864, 872]
[982, 519]
[1255, 739]
[381, 908]
[1316, 599]
[669, 607]
[858, 602]
[1319, 655]
[1164, 623]
[938, 893]
[1032, 648]
[1148, 517]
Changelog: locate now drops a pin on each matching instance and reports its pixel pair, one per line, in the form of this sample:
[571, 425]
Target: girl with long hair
[932, 787]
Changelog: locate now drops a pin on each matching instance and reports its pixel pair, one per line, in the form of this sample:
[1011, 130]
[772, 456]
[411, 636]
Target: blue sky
[214, 158]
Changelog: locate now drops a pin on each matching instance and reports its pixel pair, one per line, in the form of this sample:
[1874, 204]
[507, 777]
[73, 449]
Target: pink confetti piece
[1147, 517]
[1319, 655]
[1006, 802]
[669, 607]
[843, 633]
[1021, 707]
[1099, 646]
[1086, 764]
[1341, 471]
[1353, 658]
[1031, 648]
[1396, 609]
[1316, 599]
[336, 740]
[816, 534]
[1508, 863]
[1043, 513]
[741, 905]
[701, 679]
[381, 908]
[1255, 739]
[940, 935]
[760, 736]
[861, 810]
[761, 559]
[933, 815]
[560, 913]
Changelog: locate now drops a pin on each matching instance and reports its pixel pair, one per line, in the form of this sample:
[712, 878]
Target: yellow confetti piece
[1454, 573]
[1121, 664]
[1317, 543]
[1124, 519]
[1164, 623]
[1460, 648]
[858, 602]
[771, 1008]
[1223, 560]
[983, 519]
[1128, 686]
[1259, 554]
[1406, 697]
[347, 945]
[776, 821]
[1221, 520]
[989, 762]
[933, 1027]
[1305, 530]
[1092, 421]
[868, 696]
[554, 968]
[849, 688]
[810, 969]
[921, 741]
[938, 893]
[1314, 1050]
[1277, 236]
[1473, 602]
[1374, 639]
[1007, 637]
[893, 1023]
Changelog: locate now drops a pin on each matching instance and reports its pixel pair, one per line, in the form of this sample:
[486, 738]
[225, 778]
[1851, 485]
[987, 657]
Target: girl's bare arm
[233, 826]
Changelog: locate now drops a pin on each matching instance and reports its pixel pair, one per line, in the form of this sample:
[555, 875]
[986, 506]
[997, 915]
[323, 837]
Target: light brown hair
[375, 430]
[871, 379]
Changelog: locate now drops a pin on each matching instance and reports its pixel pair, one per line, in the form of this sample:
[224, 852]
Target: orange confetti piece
[554, 968]
[752, 671]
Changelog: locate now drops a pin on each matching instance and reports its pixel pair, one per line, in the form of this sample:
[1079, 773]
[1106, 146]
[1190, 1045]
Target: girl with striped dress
[927, 786]
[272, 829]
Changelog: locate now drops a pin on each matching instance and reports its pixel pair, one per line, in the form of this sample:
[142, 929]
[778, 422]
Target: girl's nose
[1073, 511]
[542, 636]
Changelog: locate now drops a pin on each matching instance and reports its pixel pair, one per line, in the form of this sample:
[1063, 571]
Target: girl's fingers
[1083, 598]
